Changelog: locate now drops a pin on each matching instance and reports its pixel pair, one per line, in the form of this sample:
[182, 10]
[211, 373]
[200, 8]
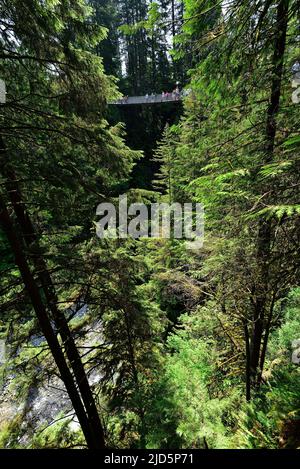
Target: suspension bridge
[149, 99]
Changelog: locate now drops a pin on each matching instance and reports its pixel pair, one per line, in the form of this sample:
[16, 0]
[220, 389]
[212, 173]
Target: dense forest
[141, 342]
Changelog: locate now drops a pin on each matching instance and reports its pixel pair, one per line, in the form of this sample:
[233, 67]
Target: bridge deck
[154, 99]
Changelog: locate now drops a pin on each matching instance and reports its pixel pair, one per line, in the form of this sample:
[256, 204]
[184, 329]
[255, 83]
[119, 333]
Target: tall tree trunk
[265, 342]
[248, 373]
[173, 18]
[264, 239]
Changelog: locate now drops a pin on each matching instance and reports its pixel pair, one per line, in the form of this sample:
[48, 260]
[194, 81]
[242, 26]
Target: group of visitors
[150, 97]
[165, 95]
[175, 95]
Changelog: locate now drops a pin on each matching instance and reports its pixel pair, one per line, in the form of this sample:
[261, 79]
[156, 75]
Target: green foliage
[165, 155]
[58, 435]
[273, 419]
[188, 396]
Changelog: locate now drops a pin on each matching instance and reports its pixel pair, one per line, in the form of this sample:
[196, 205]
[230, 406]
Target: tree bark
[173, 18]
[248, 373]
